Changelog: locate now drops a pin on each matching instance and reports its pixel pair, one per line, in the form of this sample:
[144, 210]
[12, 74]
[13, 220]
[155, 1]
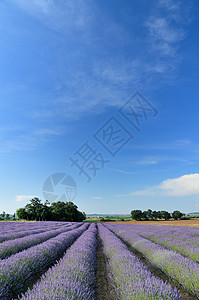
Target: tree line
[56, 211]
[149, 215]
[6, 216]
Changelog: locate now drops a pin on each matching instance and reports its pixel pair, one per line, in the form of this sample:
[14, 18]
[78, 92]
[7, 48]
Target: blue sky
[66, 69]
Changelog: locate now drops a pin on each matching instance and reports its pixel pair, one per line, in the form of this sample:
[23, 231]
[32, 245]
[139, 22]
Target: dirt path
[104, 290]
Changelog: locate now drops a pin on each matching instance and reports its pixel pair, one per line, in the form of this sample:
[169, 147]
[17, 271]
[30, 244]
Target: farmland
[75, 260]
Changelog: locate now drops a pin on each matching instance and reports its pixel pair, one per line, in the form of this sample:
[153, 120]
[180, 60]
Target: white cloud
[120, 195]
[59, 15]
[183, 142]
[17, 138]
[120, 71]
[96, 197]
[122, 171]
[147, 161]
[166, 29]
[169, 4]
[41, 6]
[46, 132]
[20, 198]
[167, 145]
[186, 185]
[110, 79]
[161, 30]
[164, 36]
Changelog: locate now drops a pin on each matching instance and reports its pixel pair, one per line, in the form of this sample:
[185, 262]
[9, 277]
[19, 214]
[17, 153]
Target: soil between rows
[104, 289]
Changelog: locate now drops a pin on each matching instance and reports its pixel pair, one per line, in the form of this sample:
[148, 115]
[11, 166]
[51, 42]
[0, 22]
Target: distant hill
[194, 213]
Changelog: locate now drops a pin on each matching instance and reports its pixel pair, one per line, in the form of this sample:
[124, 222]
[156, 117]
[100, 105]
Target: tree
[154, 215]
[57, 211]
[7, 217]
[144, 216]
[149, 214]
[66, 211]
[136, 214]
[80, 216]
[34, 209]
[176, 214]
[159, 215]
[46, 213]
[21, 213]
[165, 215]
[72, 211]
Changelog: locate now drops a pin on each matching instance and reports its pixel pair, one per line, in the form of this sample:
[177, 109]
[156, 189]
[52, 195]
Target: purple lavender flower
[180, 268]
[21, 229]
[74, 275]
[129, 276]
[19, 271]
[11, 247]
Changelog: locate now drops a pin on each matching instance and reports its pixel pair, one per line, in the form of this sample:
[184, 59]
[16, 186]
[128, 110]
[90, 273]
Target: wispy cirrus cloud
[96, 197]
[46, 132]
[36, 6]
[84, 82]
[120, 195]
[168, 145]
[170, 5]
[59, 15]
[163, 36]
[25, 139]
[147, 161]
[167, 28]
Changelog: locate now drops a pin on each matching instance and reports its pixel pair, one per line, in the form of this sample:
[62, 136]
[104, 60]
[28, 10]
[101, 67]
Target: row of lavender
[184, 240]
[19, 226]
[12, 247]
[130, 278]
[184, 233]
[19, 271]
[25, 229]
[182, 269]
[74, 276]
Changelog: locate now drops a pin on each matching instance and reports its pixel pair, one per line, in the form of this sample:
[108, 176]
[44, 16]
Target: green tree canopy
[57, 211]
[176, 214]
[136, 214]
[165, 215]
[154, 215]
[21, 213]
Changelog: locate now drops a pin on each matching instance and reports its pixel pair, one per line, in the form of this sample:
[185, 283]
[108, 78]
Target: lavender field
[71, 260]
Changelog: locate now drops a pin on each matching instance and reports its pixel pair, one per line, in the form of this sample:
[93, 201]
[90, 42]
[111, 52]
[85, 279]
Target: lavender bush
[130, 277]
[24, 229]
[184, 270]
[74, 276]
[180, 240]
[19, 271]
[11, 247]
